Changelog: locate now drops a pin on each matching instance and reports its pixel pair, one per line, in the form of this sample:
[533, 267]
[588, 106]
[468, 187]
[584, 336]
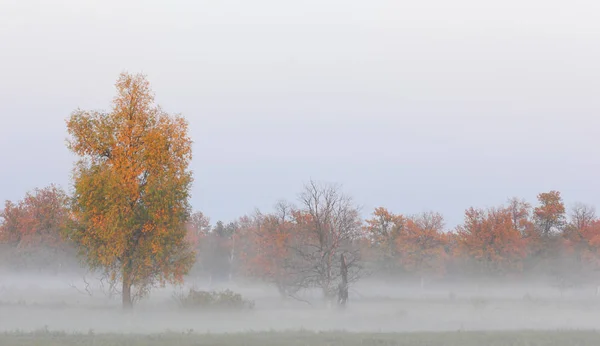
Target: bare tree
[331, 224]
[582, 215]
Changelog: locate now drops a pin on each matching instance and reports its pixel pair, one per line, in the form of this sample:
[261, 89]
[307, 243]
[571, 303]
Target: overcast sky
[412, 105]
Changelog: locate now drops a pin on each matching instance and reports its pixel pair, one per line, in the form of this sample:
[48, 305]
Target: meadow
[38, 310]
[304, 338]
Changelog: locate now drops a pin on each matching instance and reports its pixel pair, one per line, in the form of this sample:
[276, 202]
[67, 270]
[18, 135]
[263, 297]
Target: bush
[226, 300]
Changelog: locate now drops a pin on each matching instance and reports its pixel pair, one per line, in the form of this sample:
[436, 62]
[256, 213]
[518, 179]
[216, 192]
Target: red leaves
[37, 220]
[422, 244]
[491, 238]
[268, 237]
[550, 214]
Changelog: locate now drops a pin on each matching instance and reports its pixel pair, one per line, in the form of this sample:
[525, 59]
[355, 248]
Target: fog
[430, 105]
[34, 301]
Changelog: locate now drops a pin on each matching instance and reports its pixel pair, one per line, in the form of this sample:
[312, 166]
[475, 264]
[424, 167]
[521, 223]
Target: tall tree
[132, 185]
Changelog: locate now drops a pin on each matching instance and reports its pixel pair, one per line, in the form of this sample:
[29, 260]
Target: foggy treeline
[129, 218]
[298, 244]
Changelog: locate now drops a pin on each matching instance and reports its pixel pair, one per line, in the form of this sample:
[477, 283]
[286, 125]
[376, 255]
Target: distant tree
[582, 236]
[219, 250]
[520, 212]
[269, 256]
[422, 245]
[490, 238]
[545, 242]
[34, 227]
[582, 216]
[198, 227]
[383, 230]
[550, 215]
[198, 230]
[132, 185]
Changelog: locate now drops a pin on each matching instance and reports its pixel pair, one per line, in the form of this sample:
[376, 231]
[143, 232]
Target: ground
[37, 310]
[529, 338]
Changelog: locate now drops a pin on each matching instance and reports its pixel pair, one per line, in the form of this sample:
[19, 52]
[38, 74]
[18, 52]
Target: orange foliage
[491, 238]
[384, 227]
[198, 227]
[382, 231]
[550, 214]
[132, 187]
[590, 237]
[271, 249]
[422, 244]
[37, 220]
[582, 236]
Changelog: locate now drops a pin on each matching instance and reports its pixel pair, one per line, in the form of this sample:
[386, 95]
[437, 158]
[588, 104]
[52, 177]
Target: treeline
[129, 218]
[299, 245]
[294, 244]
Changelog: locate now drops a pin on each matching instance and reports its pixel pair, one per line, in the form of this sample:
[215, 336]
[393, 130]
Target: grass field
[521, 314]
[518, 338]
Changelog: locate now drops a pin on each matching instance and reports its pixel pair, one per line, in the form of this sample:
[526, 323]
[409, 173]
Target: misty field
[530, 338]
[58, 311]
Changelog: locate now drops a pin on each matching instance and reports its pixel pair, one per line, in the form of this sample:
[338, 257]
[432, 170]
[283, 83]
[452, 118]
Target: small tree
[132, 186]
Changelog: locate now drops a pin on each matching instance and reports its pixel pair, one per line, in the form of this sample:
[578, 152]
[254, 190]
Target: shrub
[226, 300]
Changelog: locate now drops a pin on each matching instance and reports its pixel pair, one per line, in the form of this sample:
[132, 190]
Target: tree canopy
[131, 189]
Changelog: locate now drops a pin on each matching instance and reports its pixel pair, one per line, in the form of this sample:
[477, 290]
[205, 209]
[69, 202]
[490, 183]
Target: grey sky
[412, 105]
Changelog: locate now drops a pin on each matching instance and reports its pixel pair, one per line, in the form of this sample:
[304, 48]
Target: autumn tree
[198, 228]
[550, 214]
[34, 228]
[422, 245]
[132, 185]
[582, 236]
[545, 243]
[490, 238]
[520, 213]
[382, 230]
[269, 255]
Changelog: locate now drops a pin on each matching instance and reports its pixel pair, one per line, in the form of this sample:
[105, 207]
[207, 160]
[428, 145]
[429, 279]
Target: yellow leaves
[132, 182]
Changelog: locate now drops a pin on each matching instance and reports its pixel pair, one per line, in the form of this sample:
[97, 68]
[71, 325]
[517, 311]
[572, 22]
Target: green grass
[518, 338]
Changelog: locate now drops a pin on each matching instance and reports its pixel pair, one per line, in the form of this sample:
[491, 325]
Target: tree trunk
[127, 303]
[343, 287]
